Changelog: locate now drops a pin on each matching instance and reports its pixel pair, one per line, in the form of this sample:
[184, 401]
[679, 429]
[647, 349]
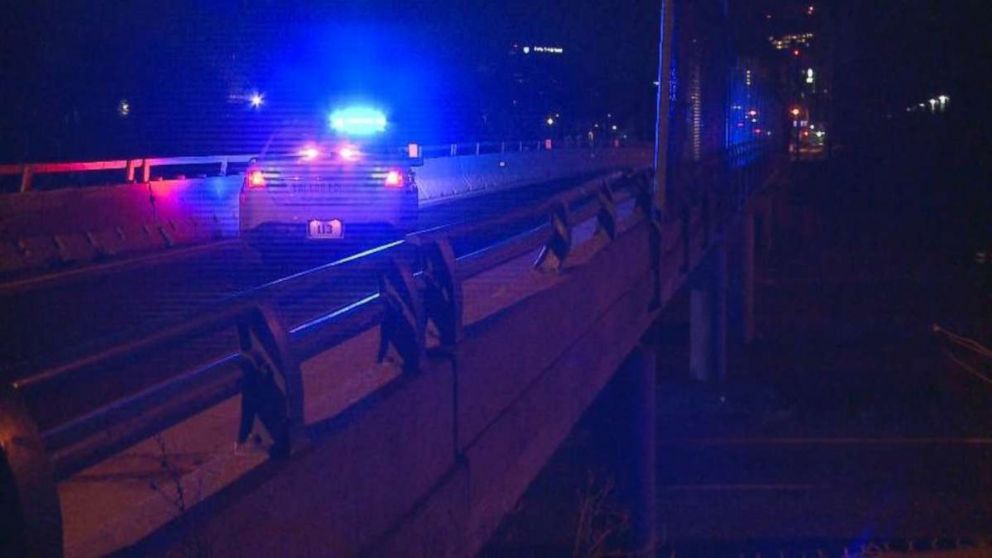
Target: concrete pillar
[748, 276]
[635, 390]
[708, 317]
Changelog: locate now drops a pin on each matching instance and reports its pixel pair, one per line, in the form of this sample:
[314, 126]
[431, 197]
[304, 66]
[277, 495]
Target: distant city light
[809, 75]
[795, 52]
[548, 49]
[358, 121]
[810, 10]
[795, 112]
[256, 99]
[613, 127]
[786, 42]
[124, 108]
[550, 121]
[526, 50]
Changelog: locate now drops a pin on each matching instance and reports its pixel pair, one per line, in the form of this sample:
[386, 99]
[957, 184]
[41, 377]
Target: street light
[550, 121]
[256, 99]
[795, 112]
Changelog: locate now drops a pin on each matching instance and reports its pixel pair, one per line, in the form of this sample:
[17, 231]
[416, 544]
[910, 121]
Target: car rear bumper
[267, 216]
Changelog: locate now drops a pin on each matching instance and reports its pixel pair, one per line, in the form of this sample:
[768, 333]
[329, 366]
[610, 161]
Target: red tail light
[256, 179]
[394, 179]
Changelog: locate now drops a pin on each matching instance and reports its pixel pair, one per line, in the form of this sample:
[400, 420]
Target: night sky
[183, 64]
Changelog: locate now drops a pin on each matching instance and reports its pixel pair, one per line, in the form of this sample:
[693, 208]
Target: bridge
[166, 391]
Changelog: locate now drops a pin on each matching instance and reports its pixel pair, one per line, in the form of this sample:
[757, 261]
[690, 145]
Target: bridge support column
[747, 275]
[708, 317]
[628, 432]
[635, 415]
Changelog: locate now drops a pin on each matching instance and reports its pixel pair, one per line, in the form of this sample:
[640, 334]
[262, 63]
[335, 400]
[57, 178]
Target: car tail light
[309, 153]
[349, 153]
[394, 179]
[255, 179]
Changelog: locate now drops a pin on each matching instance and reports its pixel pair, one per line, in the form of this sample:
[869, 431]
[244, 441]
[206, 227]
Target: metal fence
[125, 171]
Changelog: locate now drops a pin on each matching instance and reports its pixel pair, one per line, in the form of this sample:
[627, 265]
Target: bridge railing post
[606, 217]
[443, 290]
[131, 164]
[404, 322]
[30, 515]
[26, 176]
[272, 387]
[559, 244]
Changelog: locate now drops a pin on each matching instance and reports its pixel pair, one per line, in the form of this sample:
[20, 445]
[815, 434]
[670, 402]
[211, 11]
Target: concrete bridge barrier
[74, 226]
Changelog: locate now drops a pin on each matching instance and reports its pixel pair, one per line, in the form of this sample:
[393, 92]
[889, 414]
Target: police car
[349, 184]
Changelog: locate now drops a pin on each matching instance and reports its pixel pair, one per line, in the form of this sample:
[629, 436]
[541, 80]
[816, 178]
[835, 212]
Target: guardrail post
[559, 244]
[478, 148]
[146, 171]
[30, 515]
[502, 147]
[272, 389]
[443, 295]
[26, 176]
[606, 218]
[223, 166]
[131, 163]
[454, 149]
[403, 325]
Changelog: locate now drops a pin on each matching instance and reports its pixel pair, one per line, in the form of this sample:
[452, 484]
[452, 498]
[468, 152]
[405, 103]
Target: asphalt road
[62, 319]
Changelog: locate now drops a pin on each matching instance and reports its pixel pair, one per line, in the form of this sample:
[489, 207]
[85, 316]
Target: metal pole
[663, 102]
[26, 175]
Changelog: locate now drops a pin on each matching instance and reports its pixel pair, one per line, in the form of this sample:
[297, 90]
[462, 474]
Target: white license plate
[325, 229]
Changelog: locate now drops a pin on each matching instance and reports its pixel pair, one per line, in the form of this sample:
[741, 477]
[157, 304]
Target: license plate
[325, 229]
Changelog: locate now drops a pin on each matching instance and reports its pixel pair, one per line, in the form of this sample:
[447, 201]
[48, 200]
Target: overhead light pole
[663, 101]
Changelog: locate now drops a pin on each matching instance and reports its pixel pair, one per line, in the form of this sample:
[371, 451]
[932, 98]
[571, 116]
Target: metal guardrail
[221, 163]
[78, 413]
[27, 171]
[58, 421]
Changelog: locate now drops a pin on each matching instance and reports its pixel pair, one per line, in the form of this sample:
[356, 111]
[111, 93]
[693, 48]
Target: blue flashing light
[358, 121]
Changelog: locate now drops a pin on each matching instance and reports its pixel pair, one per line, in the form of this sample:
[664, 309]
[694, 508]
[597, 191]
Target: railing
[69, 416]
[28, 171]
[222, 165]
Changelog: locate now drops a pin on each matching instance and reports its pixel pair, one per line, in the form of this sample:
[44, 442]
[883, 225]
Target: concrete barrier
[50, 229]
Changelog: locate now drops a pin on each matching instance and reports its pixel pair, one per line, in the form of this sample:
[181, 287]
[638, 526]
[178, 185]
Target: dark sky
[900, 51]
[65, 65]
